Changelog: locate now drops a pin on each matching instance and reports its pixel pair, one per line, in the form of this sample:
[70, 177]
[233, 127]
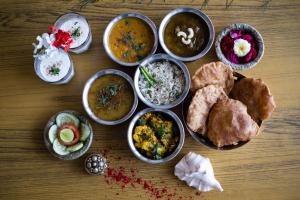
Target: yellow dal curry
[110, 97]
[131, 40]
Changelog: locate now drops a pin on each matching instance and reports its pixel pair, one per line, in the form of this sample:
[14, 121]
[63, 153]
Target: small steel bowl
[87, 87]
[135, 150]
[73, 155]
[202, 139]
[87, 43]
[112, 23]
[160, 57]
[255, 34]
[201, 15]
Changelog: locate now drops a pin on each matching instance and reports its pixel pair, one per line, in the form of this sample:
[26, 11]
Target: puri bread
[200, 106]
[229, 123]
[255, 94]
[214, 73]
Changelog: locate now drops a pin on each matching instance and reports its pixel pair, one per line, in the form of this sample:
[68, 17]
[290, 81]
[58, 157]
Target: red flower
[62, 38]
[52, 29]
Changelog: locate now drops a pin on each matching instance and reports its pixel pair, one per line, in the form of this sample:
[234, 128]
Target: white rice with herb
[168, 85]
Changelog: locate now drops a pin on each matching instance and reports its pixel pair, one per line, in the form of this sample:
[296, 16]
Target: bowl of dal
[109, 97]
[129, 38]
[186, 34]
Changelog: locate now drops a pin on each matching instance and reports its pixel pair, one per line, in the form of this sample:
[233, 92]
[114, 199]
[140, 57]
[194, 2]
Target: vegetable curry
[155, 136]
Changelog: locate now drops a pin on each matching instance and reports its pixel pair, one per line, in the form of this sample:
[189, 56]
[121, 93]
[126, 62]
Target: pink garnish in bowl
[240, 46]
[243, 45]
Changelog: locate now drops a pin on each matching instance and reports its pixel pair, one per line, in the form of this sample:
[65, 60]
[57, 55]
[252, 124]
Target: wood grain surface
[267, 168]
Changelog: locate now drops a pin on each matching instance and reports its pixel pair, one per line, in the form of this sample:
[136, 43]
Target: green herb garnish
[126, 54]
[54, 70]
[106, 94]
[76, 32]
[147, 75]
[160, 131]
[155, 153]
[141, 121]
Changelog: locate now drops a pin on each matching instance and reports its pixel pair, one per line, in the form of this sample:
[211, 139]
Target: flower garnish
[62, 38]
[48, 43]
[239, 47]
[44, 47]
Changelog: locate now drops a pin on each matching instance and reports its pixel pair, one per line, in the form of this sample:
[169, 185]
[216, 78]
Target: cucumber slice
[66, 118]
[75, 147]
[59, 148]
[52, 133]
[66, 135]
[85, 132]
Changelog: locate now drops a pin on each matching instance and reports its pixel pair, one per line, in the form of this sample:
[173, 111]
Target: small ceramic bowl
[256, 35]
[179, 64]
[87, 87]
[113, 22]
[202, 139]
[73, 155]
[136, 152]
[72, 15]
[203, 17]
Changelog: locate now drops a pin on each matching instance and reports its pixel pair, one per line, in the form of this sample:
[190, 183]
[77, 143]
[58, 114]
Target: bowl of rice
[162, 81]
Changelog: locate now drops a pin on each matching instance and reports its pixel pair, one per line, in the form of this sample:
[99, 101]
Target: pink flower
[235, 34]
[250, 56]
[226, 44]
[232, 57]
[247, 37]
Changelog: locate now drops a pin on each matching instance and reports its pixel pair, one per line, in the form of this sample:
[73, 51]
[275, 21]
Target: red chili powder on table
[119, 177]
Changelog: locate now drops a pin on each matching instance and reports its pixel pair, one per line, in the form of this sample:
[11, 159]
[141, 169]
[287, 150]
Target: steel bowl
[201, 15]
[87, 87]
[159, 57]
[87, 43]
[112, 23]
[135, 150]
[203, 139]
[73, 155]
[257, 36]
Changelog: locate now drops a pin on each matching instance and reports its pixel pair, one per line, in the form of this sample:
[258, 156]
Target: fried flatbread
[255, 94]
[214, 73]
[229, 123]
[200, 106]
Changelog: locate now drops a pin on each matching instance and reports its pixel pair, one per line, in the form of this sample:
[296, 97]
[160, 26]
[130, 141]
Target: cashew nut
[191, 33]
[181, 33]
[186, 42]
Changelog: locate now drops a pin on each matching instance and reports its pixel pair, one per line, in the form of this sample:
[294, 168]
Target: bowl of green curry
[186, 34]
[155, 136]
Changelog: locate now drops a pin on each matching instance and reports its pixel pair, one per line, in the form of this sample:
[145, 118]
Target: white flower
[44, 47]
[241, 47]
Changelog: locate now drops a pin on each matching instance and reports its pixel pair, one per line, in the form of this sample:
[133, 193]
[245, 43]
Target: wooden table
[266, 168]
